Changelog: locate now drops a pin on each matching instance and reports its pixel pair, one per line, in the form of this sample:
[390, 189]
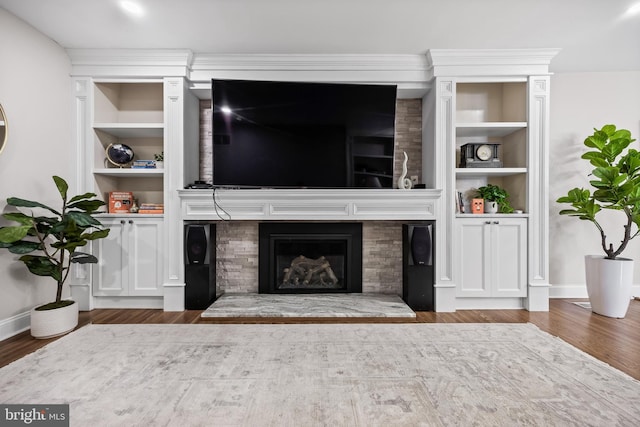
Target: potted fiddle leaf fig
[47, 245]
[496, 199]
[616, 184]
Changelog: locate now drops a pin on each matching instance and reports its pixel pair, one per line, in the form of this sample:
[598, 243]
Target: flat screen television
[300, 135]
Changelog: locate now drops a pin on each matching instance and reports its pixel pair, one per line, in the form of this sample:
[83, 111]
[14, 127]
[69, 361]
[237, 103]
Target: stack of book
[143, 164]
[151, 208]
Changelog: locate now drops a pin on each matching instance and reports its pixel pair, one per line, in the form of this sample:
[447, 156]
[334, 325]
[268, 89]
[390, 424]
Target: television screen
[301, 135]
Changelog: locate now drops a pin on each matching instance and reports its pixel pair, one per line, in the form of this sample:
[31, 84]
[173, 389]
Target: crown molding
[490, 62]
[130, 62]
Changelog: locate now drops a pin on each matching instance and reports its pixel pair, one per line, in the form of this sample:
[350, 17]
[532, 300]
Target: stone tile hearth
[309, 305]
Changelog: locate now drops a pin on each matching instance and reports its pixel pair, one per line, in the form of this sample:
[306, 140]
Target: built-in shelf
[495, 215]
[489, 129]
[129, 172]
[487, 172]
[132, 130]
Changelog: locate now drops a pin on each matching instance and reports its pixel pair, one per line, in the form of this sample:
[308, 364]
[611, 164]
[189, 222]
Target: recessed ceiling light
[132, 8]
[634, 9]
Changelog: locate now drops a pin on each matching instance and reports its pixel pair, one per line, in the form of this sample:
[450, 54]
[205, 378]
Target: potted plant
[616, 183]
[159, 158]
[495, 199]
[55, 238]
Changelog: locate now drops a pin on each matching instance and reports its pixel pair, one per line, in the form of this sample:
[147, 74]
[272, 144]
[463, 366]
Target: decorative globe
[119, 154]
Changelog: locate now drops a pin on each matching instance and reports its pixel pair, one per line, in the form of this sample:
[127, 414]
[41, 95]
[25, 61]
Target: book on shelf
[151, 208]
[120, 201]
[143, 164]
[459, 202]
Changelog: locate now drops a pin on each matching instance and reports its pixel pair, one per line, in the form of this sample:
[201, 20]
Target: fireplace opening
[310, 257]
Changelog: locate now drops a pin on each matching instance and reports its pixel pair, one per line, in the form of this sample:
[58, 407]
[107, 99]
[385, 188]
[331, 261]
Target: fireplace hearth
[310, 258]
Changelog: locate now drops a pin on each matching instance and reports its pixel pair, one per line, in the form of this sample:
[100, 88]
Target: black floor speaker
[200, 265]
[418, 267]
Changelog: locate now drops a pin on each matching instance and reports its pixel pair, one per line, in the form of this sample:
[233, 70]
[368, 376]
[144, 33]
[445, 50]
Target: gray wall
[35, 92]
[579, 103]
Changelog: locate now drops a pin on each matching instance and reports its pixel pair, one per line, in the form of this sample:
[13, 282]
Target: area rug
[322, 375]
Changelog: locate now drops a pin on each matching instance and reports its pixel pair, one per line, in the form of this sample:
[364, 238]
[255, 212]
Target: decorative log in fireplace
[314, 272]
[310, 257]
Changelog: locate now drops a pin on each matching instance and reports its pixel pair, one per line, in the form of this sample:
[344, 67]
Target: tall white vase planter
[609, 284]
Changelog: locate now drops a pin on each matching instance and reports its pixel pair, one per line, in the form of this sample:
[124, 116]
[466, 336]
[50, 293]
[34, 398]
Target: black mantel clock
[480, 155]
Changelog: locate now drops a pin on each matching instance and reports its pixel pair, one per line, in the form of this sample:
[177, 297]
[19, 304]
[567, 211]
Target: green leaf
[596, 158]
[62, 185]
[82, 197]
[83, 219]
[13, 234]
[87, 205]
[96, 234]
[24, 247]
[608, 130]
[22, 203]
[83, 258]
[42, 266]
[597, 140]
[19, 217]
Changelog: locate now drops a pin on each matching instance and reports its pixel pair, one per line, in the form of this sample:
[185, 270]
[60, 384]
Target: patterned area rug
[322, 374]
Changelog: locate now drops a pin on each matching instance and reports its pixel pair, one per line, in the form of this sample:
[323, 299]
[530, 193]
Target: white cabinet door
[492, 257]
[474, 248]
[509, 254]
[145, 255]
[109, 275]
[130, 258]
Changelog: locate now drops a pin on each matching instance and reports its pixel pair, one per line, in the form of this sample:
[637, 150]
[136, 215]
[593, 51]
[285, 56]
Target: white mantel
[310, 204]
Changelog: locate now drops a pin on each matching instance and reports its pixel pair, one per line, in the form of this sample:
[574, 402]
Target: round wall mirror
[3, 128]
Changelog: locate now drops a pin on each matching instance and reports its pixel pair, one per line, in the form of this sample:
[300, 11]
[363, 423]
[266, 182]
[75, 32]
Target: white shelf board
[489, 129]
[483, 172]
[129, 172]
[131, 130]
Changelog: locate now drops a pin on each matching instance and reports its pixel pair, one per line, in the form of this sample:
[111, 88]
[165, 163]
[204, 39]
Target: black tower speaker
[421, 245]
[200, 265]
[418, 273]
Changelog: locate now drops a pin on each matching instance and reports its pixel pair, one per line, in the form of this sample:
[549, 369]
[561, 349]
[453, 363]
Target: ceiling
[594, 35]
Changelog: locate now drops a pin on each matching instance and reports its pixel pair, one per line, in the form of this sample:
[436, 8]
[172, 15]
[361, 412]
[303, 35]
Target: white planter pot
[490, 207]
[609, 284]
[52, 323]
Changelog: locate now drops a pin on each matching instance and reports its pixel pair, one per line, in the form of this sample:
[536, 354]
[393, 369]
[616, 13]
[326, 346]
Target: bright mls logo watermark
[34, 415]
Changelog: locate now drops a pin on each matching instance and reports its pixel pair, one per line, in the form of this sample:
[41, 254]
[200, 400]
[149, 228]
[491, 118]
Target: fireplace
[310, 258]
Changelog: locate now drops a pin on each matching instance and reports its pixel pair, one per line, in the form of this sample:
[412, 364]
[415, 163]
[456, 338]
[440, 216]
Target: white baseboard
[14, 325]
[579, 291]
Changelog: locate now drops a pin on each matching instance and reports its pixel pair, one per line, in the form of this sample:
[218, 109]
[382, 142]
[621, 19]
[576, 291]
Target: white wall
[35, 93]
[580, 102]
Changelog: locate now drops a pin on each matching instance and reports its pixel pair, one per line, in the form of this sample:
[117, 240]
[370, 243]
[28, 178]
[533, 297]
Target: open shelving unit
[129, 113]
[496, 113]
[372, 161]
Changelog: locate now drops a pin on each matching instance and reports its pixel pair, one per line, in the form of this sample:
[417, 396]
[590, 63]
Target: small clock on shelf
[480, 155]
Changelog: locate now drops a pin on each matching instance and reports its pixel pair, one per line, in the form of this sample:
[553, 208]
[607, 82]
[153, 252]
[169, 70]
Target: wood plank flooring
[614, 341]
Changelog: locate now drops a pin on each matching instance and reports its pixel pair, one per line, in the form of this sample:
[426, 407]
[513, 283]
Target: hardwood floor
[614, 341]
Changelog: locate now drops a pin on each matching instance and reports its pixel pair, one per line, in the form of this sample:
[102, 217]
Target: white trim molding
[309, 204]
[489, 62]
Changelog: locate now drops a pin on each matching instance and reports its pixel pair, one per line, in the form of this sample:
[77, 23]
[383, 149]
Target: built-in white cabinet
[130, 258]
[491, 256]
